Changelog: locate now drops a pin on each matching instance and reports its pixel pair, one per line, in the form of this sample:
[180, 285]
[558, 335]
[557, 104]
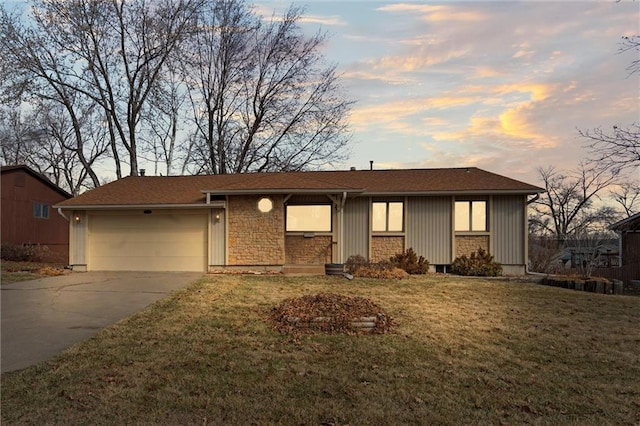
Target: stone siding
[255, 238]
[382, 248]
[308, 251]
[467, 244]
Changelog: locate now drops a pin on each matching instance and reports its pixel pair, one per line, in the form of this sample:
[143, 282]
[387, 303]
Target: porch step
[304, 269]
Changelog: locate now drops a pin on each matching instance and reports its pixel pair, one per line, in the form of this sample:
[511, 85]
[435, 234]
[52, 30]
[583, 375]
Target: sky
[502, 85]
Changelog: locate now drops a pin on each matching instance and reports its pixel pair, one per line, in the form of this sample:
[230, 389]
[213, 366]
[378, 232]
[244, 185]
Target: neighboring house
[629, 231]
[27, 213]
[602, 254]
[298, 221]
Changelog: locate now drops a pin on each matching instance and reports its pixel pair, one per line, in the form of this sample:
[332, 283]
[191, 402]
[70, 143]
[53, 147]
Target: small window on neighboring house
[308, 218]
[41, 210]
[471, 215]
[387, 217]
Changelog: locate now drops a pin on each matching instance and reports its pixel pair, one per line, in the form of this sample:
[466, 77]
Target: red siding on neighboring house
[21, 189]
[631, 247]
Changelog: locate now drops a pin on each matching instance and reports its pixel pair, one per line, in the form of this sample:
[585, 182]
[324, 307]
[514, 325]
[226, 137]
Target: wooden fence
[624, 273]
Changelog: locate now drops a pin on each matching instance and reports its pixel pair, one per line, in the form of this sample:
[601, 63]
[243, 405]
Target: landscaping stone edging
[593, 285]
[361, 324]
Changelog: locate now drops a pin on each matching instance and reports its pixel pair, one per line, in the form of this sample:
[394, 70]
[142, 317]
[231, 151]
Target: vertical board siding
[508, 229]
[356, 228]
[217, 240]
[78, 238]
[429, 228]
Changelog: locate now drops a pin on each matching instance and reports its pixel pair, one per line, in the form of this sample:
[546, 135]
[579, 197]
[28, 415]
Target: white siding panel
[78, 238]
[508, 229]
[218, 238]
[429, 228]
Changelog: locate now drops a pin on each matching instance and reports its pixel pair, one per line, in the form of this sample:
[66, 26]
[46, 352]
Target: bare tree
[17, 140]
[569, 204]
[111, 53]
[589, 249]
[164, 134]
[632, 44]
[619, 148]
[43, 138]
[262, 97]
[627, 196]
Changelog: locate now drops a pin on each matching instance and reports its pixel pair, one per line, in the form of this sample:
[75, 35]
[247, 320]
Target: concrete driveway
[41, 318]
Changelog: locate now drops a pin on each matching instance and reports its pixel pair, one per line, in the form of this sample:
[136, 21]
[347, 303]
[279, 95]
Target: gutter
[533, 199]
[215, 204]
[266, 191]
[61, 214]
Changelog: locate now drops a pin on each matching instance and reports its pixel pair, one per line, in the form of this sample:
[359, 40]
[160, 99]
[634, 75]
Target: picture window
[308, 218]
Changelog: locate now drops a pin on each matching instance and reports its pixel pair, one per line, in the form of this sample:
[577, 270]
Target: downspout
[62, 214]
[68, 251]
[341, 244]
[526, 237]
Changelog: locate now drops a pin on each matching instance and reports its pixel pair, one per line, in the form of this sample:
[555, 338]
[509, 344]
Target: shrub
[358, 266]
[354, 263]
[480, 264]
[24, 253]
[409, 261]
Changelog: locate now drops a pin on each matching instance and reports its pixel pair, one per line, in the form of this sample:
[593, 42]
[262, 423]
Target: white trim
[215, 204]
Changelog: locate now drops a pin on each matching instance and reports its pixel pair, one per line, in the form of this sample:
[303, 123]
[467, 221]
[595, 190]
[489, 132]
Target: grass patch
[12, 271]
[462, 351]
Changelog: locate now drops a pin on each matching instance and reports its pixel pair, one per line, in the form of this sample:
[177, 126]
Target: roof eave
[280, 191]
[625, 224]
[457, 192]
[213, 204]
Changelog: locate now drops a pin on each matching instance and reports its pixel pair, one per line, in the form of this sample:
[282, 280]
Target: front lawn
[463, 351]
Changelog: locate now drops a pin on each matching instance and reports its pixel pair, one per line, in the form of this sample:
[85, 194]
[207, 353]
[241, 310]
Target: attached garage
[151, 240]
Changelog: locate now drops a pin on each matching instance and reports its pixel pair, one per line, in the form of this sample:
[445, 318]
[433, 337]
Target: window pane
[395, 217]
[379, 217]
[36, 209]
[309, 218]
[45, 211]
[479, 216]
[462, 215]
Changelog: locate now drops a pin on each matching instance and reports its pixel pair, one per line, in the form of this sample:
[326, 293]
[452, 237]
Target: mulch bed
[330, 313]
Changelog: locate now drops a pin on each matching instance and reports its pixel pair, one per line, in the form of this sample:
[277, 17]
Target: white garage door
[160, 241]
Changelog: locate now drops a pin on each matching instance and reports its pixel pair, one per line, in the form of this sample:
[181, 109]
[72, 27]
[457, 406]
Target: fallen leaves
[330, 313]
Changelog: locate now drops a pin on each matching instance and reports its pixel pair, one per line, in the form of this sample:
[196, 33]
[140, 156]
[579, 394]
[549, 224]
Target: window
[41, 211]
[471, 215]
[387, 217]
[309, 218]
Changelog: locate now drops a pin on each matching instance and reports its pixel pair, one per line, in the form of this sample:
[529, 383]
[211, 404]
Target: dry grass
[12, 271]
[464, 351]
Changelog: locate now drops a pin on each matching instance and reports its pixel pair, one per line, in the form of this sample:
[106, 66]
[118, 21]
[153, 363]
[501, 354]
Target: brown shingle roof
[21, 167]
[159, 190]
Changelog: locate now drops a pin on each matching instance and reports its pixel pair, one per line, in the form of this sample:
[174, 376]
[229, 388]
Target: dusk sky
[499, 85]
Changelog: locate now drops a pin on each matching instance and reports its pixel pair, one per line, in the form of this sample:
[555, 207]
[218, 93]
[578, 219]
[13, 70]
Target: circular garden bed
[330, 313]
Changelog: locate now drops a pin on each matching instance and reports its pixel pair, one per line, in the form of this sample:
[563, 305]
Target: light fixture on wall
[77, 219]
[217, 217]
